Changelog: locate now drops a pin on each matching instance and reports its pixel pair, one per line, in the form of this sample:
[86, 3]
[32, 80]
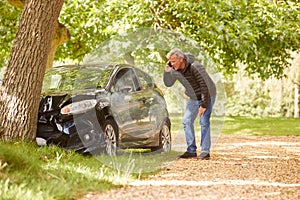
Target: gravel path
[241, 167]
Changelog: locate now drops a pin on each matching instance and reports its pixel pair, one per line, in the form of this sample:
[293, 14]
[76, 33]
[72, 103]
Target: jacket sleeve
[169, 78]
[202, 77]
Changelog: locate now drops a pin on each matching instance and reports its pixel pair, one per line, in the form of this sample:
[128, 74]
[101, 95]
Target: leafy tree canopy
[9, 17]
[258, 33]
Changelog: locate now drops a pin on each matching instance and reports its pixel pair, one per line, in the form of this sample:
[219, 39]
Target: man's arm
[168, 77]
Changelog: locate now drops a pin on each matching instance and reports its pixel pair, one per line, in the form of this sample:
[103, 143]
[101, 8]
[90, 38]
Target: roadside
[241, 167]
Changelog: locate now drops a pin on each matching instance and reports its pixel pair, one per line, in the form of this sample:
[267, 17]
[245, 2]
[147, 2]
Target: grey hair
[177, 52]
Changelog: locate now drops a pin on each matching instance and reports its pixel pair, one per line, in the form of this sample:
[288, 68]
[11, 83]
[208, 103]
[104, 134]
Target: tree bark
[22, 83]
[61, 34]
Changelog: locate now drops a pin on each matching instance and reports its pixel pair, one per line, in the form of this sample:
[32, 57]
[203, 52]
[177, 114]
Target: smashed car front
[67, 110]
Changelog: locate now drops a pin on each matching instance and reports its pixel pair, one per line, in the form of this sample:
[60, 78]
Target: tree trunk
[61, 36]
[22, 83]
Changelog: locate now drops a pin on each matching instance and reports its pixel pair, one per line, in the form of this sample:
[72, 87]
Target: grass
[260, 126]
[256, 126]
[31, 172]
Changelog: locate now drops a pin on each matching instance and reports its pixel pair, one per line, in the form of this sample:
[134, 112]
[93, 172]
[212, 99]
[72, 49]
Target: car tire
[110, 131]
[165, 139]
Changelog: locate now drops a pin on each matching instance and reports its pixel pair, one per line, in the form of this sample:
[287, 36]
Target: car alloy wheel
[165, 138]
[110, 133]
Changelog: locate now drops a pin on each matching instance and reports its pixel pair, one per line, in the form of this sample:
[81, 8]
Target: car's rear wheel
[110, 131]
[165, 139]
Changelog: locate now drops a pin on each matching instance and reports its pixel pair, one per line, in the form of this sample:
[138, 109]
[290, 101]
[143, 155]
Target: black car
[102, 108]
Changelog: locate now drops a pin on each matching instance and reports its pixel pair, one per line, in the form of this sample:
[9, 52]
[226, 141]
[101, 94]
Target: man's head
[176, 58]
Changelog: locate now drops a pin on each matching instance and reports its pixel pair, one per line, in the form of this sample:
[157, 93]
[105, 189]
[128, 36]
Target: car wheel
[110, 131]
[164, 139]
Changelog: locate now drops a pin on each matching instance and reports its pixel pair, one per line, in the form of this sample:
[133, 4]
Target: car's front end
[68, 108]
[70, 124]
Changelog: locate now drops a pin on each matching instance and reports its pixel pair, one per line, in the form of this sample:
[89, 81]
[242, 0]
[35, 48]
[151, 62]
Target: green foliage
[249, 101]
[92, 22]
[255, 97]
[9, 18]
[256, 33]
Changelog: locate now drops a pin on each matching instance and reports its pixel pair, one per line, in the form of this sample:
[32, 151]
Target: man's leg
[205, 128]
[190, 115]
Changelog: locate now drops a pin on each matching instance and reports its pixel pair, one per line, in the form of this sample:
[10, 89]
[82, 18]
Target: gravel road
[241, 167]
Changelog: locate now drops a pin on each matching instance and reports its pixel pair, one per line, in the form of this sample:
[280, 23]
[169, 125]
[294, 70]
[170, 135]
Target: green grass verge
[29, 172]
[275, 126]
[260, 126]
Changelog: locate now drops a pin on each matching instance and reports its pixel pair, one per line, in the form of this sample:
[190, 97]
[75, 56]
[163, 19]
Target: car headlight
[79, 107]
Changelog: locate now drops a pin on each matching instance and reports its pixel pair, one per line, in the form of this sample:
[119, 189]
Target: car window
[144, 79]
[76, 78]
[124, 82]
[93, 77]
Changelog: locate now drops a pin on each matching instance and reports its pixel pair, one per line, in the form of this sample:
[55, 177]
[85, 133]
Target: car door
[127, 106]
[149, 105]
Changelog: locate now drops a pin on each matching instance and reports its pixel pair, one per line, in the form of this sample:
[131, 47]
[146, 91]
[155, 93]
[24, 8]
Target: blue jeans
[192, 110]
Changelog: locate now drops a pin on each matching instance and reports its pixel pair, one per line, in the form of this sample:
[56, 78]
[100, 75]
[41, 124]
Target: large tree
[257, 33]
[22, 82]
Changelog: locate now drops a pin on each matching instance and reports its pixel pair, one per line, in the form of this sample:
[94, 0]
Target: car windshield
[76, 78]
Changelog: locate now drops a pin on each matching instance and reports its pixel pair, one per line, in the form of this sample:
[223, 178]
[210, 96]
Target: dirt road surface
[241, 167]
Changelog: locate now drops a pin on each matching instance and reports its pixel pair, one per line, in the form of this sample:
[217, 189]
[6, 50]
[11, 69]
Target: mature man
[201, 91]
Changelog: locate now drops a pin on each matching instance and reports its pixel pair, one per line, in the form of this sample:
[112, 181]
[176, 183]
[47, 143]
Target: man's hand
[201, 110]
[168, 68]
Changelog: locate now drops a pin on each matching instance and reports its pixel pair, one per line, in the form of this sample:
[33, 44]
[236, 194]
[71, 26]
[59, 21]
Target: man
[201, 91]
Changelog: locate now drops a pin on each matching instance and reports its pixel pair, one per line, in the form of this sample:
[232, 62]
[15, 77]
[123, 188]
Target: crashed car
[102, 108]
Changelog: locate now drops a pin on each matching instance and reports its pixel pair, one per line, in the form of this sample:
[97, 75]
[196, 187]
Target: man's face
[176, 62]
